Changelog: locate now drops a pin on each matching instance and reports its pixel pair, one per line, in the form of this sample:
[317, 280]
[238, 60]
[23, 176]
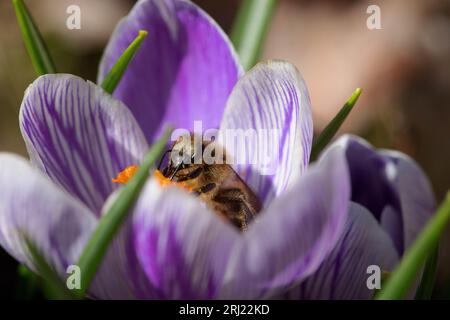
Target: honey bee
[217, 184]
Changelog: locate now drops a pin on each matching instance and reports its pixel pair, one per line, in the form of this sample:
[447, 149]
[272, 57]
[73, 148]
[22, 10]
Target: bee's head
[182, 154]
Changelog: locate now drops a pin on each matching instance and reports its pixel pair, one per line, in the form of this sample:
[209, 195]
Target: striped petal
[32, 206]
[79, 136]
[183, 72]
[267, 128]
[392, 187]
[188, 252]
[344, 274]
[60, 226]
[121, 276]
[296, 233]
[182, 246]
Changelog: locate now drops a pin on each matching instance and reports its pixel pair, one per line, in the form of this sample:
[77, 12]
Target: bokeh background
[404, 69]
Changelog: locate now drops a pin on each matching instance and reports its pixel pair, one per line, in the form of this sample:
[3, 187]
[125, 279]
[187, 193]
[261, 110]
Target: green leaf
[40, 57]
[112, 79]
[54, 288]
[250, 29]
[406, 272]
[428, 277]
[330, 130]
[110, 223]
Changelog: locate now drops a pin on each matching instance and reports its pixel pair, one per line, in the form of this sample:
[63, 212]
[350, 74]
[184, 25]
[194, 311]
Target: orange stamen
[163, 181]
[126, 175]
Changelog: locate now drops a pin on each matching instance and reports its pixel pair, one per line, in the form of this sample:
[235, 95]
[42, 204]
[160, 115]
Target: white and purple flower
[321, 225]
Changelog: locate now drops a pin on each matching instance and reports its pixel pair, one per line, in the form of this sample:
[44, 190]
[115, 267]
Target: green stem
[27, 283]
[53, 287]
[37, 50]
[112, 79]
[250, 29]
[406, 272]
[330, 130]
[110, 223]
[426, 286]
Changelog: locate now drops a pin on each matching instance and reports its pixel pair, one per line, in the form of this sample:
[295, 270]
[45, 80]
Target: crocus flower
[320, 226]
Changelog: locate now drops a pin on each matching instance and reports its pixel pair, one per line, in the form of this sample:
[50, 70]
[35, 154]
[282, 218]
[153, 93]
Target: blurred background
[404, 69]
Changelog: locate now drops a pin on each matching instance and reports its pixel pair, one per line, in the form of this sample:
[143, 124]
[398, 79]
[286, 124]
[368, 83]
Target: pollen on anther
[164, 181]
[126, 175]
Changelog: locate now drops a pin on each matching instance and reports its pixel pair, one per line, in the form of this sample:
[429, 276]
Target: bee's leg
[239, 210]
[177, 168]
[190, 175]
[204, 189]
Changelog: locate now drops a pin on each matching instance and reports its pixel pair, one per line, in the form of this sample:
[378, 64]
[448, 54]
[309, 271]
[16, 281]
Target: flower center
[215, 183]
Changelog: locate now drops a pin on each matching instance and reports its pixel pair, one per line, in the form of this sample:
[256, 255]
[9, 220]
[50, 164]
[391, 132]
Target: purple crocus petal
[344, 273]
[32, 206]
[182, 246]
[121, 275]
[296, 232]
[392, 187]
[183, 72]
[415, 193]
[272, 103]
[79, 136]
[188, 252]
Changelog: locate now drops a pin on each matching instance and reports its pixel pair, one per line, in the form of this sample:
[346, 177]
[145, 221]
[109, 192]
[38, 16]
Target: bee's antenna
[162, 159]
[176, 170]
